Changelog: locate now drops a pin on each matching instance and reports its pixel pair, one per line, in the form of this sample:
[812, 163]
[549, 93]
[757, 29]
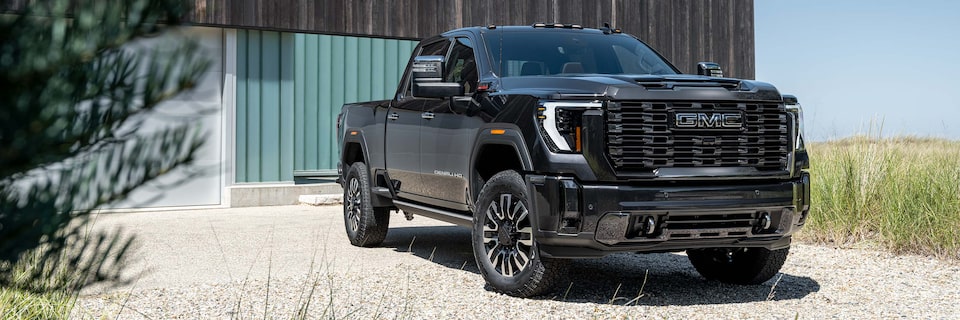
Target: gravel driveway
[281, 262]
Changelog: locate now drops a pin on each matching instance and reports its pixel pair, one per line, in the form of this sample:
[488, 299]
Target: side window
[438, 48]
[461, 65]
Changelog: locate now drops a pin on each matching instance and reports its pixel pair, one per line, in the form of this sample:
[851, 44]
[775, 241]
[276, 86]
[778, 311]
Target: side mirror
[710, 69]
[427, 74]
[789, 99]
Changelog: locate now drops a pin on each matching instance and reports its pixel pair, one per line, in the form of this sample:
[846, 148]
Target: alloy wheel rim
[353, 204]
[508, 235]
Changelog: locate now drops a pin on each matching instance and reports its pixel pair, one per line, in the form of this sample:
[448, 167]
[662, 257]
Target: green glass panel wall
[290, 87]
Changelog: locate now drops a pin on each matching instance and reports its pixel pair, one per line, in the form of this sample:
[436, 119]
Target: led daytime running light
[548, 119]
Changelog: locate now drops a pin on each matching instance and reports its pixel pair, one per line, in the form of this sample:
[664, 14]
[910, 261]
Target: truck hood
[639, 87]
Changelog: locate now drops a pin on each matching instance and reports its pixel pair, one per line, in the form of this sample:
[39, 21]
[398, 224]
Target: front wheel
[503, 241]
[366, 226]
[738, 265]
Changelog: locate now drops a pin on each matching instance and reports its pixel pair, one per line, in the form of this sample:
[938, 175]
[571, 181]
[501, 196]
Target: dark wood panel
[684, 31]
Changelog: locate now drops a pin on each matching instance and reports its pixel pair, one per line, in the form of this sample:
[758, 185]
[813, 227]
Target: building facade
[283, 68]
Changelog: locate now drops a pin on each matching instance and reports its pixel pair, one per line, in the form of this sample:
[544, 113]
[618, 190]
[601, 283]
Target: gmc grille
[643, 136]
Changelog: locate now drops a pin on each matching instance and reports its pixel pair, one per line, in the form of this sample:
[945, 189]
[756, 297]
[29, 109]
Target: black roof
[538, 27]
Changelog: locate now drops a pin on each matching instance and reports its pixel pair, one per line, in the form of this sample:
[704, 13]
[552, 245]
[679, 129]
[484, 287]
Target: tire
[503, 243]
[366, 226]
[738, 265]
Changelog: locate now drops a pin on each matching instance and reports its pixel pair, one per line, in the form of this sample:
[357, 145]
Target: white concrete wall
[203, 106]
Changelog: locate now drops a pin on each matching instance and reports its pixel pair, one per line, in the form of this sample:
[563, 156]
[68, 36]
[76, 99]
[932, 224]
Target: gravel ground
[281, 262]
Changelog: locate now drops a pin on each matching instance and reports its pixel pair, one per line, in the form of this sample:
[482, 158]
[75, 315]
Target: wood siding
[684, 31]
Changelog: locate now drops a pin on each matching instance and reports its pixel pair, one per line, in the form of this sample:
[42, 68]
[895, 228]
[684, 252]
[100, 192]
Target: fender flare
[511, 137]
[357, 138]
[377, 199]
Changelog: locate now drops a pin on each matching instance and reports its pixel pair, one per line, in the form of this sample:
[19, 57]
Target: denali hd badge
[703, 120]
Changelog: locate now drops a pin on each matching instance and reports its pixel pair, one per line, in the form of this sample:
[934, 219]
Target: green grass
[902, 193]
[37, 294]
[21, 304]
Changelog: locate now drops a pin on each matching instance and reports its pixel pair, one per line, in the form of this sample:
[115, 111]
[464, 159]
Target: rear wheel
[738, 265]
[366, 226]
[503, 242]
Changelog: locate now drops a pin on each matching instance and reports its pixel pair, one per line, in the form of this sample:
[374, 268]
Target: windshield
[541, 52]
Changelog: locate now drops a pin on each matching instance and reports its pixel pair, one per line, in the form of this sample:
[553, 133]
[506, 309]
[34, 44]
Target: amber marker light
[497, 131]
[578, 146]
[353, 133]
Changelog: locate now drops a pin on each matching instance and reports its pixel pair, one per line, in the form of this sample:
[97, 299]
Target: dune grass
[902, 193]
[22, 304]
[32, 293]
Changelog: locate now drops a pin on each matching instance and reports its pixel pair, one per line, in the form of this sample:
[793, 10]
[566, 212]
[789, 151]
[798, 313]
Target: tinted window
[549, 52]
[435, 49]
[461, 66]
[438, 48]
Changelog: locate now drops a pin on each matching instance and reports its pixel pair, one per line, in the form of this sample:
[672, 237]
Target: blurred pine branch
[73, 95]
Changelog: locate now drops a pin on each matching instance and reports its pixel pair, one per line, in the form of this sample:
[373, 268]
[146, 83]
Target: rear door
[403, 145]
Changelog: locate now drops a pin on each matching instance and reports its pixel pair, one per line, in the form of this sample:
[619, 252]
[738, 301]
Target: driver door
[403, 133]
[447, 137]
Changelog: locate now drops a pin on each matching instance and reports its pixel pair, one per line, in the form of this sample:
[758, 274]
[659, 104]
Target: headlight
[562, 123]
[796, 112]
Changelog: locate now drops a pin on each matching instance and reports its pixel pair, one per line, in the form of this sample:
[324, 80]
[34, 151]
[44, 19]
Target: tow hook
[649, 225]
[763, 223]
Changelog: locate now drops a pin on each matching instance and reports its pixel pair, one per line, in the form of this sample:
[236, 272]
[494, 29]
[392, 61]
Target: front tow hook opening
[763, 222]
[649, 226]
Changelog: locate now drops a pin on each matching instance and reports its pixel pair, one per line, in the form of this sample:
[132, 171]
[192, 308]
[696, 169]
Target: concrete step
[258, 195]
[321, 199]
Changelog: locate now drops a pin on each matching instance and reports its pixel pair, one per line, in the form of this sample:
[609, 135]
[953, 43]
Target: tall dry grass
[902, 193]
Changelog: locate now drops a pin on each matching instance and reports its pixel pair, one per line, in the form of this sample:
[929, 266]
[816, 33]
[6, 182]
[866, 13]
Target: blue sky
[852, 61]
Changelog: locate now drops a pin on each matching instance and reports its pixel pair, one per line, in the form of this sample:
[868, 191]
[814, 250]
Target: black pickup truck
[555, 142]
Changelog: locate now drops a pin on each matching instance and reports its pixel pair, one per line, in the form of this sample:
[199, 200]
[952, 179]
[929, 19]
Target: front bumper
[589, 220]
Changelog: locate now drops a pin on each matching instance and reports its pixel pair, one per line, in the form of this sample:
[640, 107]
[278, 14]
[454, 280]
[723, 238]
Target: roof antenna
[606, 28]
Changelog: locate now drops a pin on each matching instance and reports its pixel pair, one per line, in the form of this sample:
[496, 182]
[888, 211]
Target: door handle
[427, 115]
[393, 116]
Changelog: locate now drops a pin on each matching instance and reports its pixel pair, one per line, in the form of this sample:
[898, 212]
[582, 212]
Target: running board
[432, 213]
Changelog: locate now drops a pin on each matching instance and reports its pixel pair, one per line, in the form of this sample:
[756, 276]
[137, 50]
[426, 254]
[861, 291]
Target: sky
[893, 63]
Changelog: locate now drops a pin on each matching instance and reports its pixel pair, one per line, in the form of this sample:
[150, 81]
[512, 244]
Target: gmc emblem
[701, 120]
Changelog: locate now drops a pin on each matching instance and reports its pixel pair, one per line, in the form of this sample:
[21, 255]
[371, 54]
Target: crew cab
[555, 142]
